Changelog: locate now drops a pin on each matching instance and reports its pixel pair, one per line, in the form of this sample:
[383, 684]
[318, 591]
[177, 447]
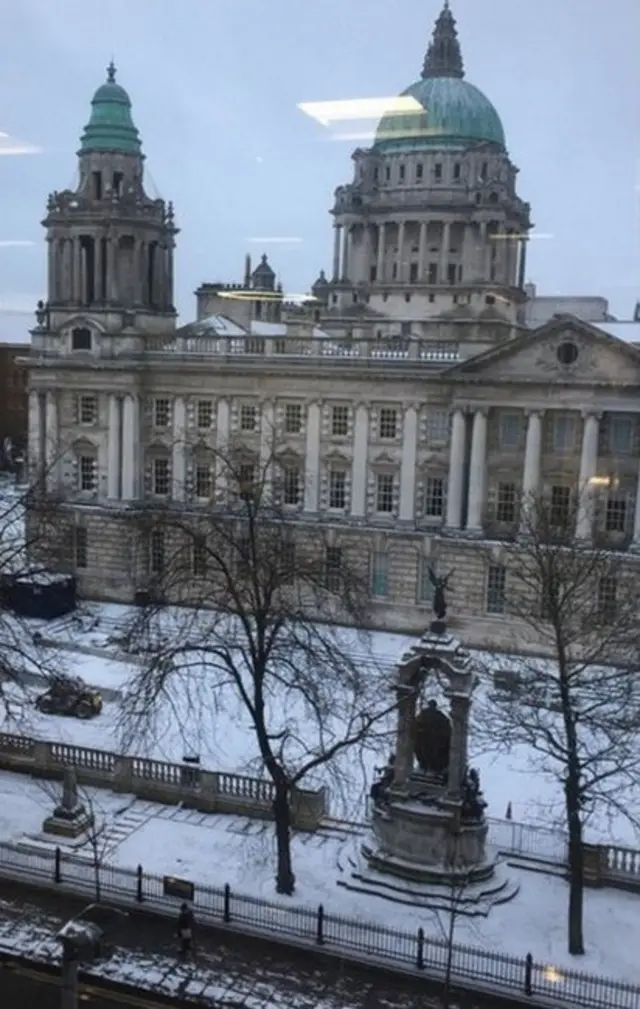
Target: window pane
[510, 427]
[388, 426]
[434, 497]
[248, 417]
[340, 421]
[205, 413]
[563, 433]
[496, 584]
[379, 574]
[506, 504]
[337, 489]
[293, 418]
[384, 493]
[621, 435]
[437, 426]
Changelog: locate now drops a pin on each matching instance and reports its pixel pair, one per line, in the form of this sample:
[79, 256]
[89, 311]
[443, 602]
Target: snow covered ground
[214, 850]
[225, 741]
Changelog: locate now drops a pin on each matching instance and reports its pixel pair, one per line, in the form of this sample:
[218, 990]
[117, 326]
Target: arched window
[81, 338]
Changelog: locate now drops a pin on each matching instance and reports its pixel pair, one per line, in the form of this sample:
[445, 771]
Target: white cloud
[11, 145]
[15, 243]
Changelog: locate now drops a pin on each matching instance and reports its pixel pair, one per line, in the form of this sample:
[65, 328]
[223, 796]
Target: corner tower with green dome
[111, 245]
[431, 230]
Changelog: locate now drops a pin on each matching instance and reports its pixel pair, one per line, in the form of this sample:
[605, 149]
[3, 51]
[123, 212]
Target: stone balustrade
[159, 781]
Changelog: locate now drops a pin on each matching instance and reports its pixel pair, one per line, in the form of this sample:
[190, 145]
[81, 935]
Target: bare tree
[261, 591]
[578, 709]
[23, 656]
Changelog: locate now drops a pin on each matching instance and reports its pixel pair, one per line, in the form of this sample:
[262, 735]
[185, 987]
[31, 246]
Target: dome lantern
[444, 56]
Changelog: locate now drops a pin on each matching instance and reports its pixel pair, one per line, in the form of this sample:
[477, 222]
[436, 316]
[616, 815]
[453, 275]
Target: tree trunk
[285, 879]
[576, 865]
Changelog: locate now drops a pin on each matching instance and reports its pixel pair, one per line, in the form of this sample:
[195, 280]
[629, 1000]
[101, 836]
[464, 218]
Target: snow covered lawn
[214, 850]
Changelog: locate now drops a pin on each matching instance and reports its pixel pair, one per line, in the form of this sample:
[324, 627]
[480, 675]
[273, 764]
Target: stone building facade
[411, 404]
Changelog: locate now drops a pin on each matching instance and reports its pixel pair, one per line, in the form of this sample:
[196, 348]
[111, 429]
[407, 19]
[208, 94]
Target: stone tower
[111, 245]
[431, 228]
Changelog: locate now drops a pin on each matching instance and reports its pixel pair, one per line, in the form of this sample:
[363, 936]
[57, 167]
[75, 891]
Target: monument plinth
[70, 819]
[428, 839]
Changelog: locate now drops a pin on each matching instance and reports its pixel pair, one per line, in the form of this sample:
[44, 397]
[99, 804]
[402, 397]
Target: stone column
[444, 252]
[268, 447]
[222, 448]
[112, 270]
[406, 697]
[67, 269]
[312, 458]
[636, 517]
[532, 456]
[97, 267]
[408, 464]
[588, 469]
[114, 449]
[53, 285]
[169, 287]
[481, 253]
[178, 450]
[422, 250]
[456, 469]
[77, 270]
[522, 266]
[35, 436]
[130, 443]
[345, 252]
[366, 254]
[401, 257]
[477, 471]
[52, 448]
[360, 460]
[336, 252]
[458, 752]
[381, 250]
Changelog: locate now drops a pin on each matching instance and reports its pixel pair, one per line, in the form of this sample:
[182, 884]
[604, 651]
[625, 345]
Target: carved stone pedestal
[68, 823]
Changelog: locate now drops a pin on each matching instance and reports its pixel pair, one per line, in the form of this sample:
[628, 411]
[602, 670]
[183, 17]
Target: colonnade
[484, 253]
[467, 474]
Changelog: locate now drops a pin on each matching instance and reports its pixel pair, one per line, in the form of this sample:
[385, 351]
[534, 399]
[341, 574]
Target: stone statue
[440, 584]
[380, 787]
[432, 741]
[473, 802]
[69, 804]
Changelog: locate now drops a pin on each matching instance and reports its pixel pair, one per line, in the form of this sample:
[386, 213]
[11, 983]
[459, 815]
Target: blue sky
[215, 86]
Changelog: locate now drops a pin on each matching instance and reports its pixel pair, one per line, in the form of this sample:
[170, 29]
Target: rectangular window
[81, 547]
[87, 473]
[402, 173]
[246, 480]
[88, 409]
[564, 433]
[496, 585]
[157, 552]
[560, 510]
[203, 480]
[434, 497]
[438, 427]
[161, 413]
[81, 339]
[621, 441]
[243, 556]
[248, 417]
[333, 569]
[452, 273]
[388, 423]
[615, 517]
[607, 591]
[425, 588]
[337, 489]
[456, 171]
[510, 429]
[384, 493]
[413, 273]
[339, 421]
[432, 273]
[205, 414]
[199, 556]
[161, 476]
[437, 172]
[419, 171]
[379, 574]
[506, 505]
[293, 418]
[291, 486]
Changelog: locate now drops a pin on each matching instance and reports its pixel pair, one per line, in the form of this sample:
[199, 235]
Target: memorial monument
[70, 818]
[428, 825]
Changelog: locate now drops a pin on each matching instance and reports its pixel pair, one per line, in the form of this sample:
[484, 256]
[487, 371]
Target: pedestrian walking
[185, 929]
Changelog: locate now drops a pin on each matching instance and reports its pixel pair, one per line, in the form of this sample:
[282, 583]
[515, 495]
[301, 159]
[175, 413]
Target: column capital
[412, 406]
[535, 411]
[365, 403]
[591, 414]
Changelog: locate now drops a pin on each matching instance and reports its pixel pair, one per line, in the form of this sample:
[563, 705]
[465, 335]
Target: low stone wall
[196, 788]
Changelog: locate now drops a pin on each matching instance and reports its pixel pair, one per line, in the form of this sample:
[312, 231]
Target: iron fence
[317, 927]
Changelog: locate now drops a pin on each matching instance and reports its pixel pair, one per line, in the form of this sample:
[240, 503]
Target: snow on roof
[259, 328]
[627, 331]
[218, 325]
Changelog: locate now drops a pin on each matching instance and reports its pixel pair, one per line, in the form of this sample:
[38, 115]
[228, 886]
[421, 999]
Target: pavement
[246, 973]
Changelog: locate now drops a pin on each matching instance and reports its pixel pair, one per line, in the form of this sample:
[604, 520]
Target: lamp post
[82, 942]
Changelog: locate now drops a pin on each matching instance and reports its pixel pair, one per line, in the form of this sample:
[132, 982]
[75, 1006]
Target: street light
[82, 941]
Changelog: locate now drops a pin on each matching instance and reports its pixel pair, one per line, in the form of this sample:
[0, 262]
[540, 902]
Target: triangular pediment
[565, 350]
[337, 457]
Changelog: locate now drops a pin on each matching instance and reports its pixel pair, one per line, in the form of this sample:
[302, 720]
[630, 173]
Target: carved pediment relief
[84, 445]
[384, 461]
[337, 458]
[564, 351]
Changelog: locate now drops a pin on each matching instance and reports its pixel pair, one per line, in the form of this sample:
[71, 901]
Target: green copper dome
[449, 111]
[111, 127]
